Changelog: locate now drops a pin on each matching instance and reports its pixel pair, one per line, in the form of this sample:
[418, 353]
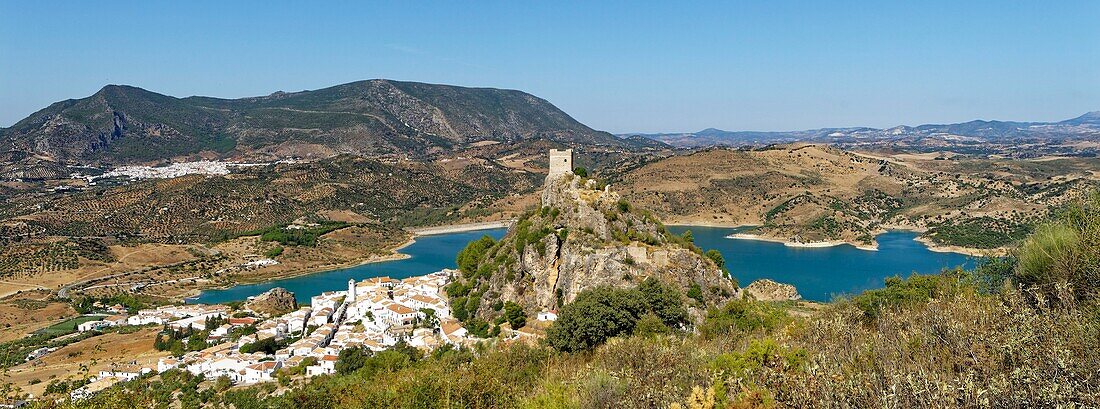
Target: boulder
[769, 290]
[276, 301]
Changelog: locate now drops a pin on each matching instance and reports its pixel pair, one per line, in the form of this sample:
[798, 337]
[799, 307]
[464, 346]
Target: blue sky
[629, 66]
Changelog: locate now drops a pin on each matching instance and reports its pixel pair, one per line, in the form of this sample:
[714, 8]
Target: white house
[92, 326]
[151, 318]
[453, 332]
[260, 372]
[124, 375]
[551, 315]
[167, 363]
[397, 314]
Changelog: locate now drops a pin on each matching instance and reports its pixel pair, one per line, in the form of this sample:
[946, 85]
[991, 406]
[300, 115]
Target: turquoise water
[822, 273]
[818, 273]
[428, 254]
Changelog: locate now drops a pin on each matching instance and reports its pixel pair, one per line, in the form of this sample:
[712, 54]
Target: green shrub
[918, 288]
[470, 257]
[1062, 256]
[601, 313]
[514, 314]
[742, 315]
[695, 292]
[650, 324]
[595, 316]
[274, 252]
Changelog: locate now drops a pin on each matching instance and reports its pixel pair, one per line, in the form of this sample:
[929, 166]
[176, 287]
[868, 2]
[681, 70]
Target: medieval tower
[561, 162]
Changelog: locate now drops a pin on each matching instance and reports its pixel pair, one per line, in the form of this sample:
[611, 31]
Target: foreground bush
[1061, 260]
[599, 314]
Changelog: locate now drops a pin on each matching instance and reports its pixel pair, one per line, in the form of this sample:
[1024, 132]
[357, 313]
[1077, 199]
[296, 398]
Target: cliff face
[584, 236]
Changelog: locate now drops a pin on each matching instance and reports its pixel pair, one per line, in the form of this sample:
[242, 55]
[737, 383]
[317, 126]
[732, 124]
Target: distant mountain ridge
[128, 124]
[1084, 127]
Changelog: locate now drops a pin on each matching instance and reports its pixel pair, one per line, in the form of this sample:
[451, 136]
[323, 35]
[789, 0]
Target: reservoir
[822, 273]
[818, 273]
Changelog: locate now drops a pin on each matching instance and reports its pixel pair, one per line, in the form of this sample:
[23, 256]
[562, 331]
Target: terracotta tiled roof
[400, 309]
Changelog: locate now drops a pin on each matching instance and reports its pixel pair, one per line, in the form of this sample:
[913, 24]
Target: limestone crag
[585, 235]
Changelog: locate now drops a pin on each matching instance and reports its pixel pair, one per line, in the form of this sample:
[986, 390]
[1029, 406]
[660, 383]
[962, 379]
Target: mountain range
[1083, 128]
[125, 124]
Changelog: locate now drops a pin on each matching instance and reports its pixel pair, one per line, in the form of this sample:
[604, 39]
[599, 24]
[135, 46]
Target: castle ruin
[561, 162]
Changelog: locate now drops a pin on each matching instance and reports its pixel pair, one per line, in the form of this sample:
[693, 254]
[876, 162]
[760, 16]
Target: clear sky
[620, 67]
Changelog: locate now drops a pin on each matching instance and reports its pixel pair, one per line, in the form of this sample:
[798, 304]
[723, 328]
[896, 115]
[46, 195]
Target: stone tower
[561, 162]
[351, 291]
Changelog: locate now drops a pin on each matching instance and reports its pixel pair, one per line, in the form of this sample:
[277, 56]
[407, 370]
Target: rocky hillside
[813, 193]
[204, 208]
[583, 236]
[121, 124]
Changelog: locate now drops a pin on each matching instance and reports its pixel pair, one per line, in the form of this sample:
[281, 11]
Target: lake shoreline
[941, 248]
[928, 243]
[460, 228]
[796, 244]
[821, 271]
[757, 237]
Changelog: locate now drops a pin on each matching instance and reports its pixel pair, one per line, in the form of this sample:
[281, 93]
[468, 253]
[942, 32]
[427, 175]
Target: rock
[768, 290]
[585, 236]
[276, 301]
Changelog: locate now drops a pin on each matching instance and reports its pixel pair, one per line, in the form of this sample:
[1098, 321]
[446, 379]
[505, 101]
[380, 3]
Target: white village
[376, 313]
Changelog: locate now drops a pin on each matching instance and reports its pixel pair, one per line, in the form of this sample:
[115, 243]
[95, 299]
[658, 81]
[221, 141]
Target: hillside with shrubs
[1018, 331]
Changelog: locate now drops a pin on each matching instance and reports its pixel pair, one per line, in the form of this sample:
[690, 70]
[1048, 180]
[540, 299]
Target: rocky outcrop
[585, 235]
[276, 301]
[768, 290]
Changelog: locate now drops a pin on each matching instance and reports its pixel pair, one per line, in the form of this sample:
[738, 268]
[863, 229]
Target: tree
[266, 345]
[470, 256]
[665, 301]
[719, 261]
[223, 383]
[650, 324]
[579, 171]
[517, 318]
[695, 292]
[717, 258]
[351, 359]
[595, 316]
[688, 237]
[430, 320]
[458, 309]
